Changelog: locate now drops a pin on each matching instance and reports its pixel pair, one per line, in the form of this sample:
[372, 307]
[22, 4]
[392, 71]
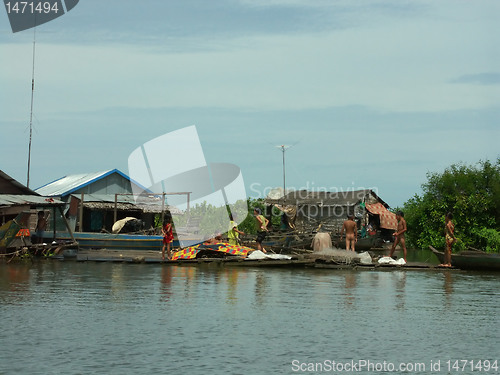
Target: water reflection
[15, 280]
[164, 318]
[231, 277]
[260, 288]
[399, 278]
[166, 283]
[350, 286]
[448, 287]
[188, 277]
[118, 283]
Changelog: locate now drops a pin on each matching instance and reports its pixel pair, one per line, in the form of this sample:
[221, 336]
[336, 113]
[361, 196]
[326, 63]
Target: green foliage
[212, 219]
[249, 224]
[157, 221]
[488, 239]
[471, 193]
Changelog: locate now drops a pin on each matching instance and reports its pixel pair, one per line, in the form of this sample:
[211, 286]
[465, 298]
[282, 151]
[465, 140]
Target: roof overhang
[8, 200]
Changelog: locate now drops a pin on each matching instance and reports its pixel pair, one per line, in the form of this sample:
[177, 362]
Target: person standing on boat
[233, 234]
[351, 233]
[399, 234]
[41, 226]
[168, 237]
[450, 239]
[261, 228]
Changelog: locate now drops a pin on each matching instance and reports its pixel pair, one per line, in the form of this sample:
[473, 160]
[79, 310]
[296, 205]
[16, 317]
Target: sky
[367, 94]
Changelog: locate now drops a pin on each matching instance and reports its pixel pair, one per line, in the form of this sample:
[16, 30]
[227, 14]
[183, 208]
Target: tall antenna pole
[31, 111]
[283, 149]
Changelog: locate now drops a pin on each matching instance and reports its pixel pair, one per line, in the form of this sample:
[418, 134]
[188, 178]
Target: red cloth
[387, 219]
[168, 235]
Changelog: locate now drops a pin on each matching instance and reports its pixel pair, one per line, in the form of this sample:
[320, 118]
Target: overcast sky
[371, 94]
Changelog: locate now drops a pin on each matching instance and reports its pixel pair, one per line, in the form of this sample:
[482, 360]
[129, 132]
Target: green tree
[471, 193]
[249, 224]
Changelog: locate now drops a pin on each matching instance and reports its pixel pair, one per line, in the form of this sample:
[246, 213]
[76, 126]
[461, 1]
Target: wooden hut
[307, 211]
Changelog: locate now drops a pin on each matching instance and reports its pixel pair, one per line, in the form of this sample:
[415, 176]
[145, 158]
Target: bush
[471, 193]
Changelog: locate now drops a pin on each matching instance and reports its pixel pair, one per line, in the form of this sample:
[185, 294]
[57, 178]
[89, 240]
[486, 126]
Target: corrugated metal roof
[17, 200]
[68, 184]
[110, 198]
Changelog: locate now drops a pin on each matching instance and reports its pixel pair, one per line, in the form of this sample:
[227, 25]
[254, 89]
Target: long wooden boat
[471, 260]
[284, 240]
[88, 240]
[363, 244]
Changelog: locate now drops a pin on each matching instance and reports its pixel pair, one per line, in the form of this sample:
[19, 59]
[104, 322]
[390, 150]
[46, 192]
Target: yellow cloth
[232, 235]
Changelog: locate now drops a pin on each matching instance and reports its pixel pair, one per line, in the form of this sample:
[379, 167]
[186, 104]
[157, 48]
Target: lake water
[112, 318]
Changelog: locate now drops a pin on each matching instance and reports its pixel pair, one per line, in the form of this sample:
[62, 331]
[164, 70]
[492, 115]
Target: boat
[122, 241]
[363, 243]
[472, 260]
[14, 228]
[211, 250]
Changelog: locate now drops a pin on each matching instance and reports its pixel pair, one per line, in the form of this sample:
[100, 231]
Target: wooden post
[80, 219]
[67, 224]
[116, 209]
[162, 209]
[54, 222]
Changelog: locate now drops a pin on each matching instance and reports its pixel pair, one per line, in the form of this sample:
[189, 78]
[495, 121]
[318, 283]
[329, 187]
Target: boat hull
[472, 260]
[88, 240]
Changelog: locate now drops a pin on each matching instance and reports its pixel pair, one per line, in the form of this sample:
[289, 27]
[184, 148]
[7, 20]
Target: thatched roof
[325, 198]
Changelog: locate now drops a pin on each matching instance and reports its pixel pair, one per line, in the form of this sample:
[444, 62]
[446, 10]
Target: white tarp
[257, 254]
[389, 260]
[118, 226]
[365, 258]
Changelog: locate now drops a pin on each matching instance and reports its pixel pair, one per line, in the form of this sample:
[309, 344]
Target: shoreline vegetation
[472, 194]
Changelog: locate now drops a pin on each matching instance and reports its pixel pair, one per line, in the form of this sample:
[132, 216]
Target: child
[168, 237]
[261, 228]
[234, 233]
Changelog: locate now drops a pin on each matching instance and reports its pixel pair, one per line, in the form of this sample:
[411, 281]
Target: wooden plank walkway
[154, 257]
[140, 256]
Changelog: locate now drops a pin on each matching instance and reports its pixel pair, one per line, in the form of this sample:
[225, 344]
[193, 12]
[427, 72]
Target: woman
[450, 239]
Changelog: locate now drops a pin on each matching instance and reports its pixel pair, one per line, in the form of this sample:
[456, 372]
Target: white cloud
[389, 64]
[375, 59]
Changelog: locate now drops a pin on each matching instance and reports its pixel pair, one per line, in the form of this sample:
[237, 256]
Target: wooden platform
[154, 257]
[382, 267]
[131, 256]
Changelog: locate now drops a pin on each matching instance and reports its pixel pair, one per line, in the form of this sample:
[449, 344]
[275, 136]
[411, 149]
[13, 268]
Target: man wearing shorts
[261, 228]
